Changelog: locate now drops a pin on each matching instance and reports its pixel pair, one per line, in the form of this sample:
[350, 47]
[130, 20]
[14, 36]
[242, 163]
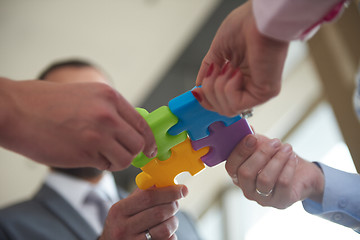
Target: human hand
[259, 60]
[273, 169]
[150, 210]
[73, 125]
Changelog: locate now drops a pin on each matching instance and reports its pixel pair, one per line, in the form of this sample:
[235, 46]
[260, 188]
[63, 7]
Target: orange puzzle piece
[162, 173]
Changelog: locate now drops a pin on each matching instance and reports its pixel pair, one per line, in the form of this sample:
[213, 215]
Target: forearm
[288, 19]
[6, 108]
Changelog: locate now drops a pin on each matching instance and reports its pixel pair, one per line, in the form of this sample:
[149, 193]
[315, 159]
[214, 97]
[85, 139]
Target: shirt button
[337, 217]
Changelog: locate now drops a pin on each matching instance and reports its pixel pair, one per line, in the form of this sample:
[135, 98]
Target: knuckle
[147, 199]
[159, 213]
[108, 92]
[283, 182]
[165, 231]
[105, 117]
[244, 173]
[263, 179]
[91, 137]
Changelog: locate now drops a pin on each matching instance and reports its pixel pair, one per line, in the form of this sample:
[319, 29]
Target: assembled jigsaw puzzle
[187, 137]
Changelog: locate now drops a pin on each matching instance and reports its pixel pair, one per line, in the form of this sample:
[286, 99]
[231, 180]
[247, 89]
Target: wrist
[318, 184]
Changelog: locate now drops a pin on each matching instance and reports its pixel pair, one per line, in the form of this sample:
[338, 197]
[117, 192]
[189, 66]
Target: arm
[288, 20]
[152, 210]
[341, 198]
[71, 124]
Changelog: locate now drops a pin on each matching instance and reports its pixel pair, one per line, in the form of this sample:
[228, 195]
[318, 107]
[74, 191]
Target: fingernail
[250, 141]
[286, 148]
[184, 191]
[210, 70]
[153, 153]
[197, 96]
[275, 143]
[224, 68]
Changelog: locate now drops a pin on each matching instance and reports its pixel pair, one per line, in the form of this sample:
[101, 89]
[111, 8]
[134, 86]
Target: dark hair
[66, 63]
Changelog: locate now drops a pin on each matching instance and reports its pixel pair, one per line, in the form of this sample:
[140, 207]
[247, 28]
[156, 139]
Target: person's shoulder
[20, 210]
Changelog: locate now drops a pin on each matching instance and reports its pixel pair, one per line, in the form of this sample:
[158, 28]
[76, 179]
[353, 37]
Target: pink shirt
[293, 19]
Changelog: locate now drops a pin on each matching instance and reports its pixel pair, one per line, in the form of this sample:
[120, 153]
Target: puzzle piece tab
[160, 121]
[193, 118]
[222, 140]
[162, 173]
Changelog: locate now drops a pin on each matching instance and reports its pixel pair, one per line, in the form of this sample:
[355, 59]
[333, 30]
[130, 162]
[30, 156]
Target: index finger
[141, 200]
[209, 58]
[134, 119]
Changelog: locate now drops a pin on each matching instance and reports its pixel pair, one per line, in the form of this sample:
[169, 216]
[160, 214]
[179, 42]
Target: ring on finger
[264, 194]
[148, 235]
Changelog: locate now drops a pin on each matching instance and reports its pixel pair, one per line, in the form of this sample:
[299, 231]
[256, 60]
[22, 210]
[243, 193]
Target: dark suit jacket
[48, 216]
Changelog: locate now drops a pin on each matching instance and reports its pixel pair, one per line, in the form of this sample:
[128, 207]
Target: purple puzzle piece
[222, 140]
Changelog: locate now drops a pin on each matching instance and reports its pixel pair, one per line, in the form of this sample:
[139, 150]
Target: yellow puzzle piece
[162, 173]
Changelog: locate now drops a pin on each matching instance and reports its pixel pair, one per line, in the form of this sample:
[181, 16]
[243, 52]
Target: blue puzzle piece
[193, 118]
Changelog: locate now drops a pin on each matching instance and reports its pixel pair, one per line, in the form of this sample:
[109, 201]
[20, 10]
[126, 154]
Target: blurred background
[152, 49]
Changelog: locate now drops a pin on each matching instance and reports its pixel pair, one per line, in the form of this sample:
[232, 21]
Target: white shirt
[74, 190]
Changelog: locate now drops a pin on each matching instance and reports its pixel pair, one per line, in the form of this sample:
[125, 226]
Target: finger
[166, 229]
[199, 95]
[240, 154]
[134, 119]
[205, 64]
[249, 170]
[208, 86]
[220, 93]
[202, 72]
[113, 152]
[142, 200]
[236, 94]
[283, 194]
[268, 176]
[153, 216]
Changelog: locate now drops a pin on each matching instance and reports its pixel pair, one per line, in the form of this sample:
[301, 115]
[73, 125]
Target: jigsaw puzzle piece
[222, 140]
[193, 118]
[160, 121]
[162, 173]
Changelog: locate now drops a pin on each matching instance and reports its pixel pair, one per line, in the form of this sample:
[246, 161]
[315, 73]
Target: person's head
[71, 71]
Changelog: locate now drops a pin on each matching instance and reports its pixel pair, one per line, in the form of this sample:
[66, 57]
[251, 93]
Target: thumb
[240, 154]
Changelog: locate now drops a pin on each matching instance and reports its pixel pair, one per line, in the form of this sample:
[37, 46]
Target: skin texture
[75, 124]
[256, 64]
[267, 164]
[152, 210]
[129, 218]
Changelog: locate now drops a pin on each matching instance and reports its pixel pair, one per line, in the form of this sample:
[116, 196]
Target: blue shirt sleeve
[341, 200]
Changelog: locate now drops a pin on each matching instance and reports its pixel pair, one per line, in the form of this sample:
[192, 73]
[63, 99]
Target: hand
[72, 124]
[151, 210]
[275, 171]
[259, 60]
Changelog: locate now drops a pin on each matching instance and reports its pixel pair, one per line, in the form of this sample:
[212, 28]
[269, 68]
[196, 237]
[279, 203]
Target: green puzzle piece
[160, 121]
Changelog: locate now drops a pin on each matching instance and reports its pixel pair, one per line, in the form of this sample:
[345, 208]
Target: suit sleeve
[341, 200]
[294, 19]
